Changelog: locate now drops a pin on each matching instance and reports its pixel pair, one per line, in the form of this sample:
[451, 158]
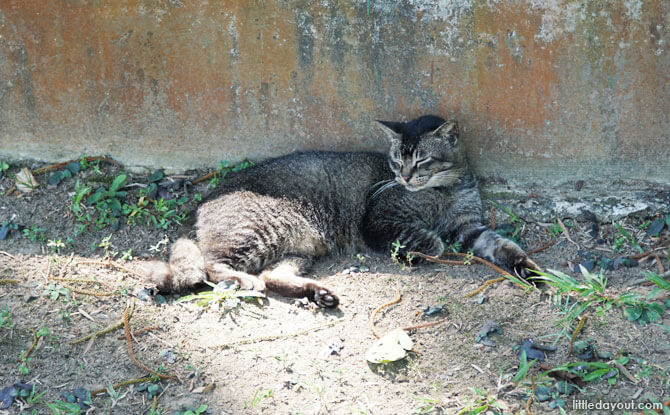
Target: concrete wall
[546, 90]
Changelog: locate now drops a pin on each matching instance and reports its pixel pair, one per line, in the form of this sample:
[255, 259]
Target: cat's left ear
[448, 131]
[393, 130]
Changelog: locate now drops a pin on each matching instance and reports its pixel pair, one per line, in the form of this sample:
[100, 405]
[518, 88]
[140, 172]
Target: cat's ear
[448, 131]
[393, 130]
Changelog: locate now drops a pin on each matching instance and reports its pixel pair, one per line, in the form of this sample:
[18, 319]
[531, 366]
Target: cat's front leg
[416, 239]
[501, 251]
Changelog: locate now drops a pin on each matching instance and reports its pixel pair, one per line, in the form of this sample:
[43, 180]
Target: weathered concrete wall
[545, 89]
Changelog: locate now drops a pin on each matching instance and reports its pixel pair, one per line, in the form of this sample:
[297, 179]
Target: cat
[264, 225]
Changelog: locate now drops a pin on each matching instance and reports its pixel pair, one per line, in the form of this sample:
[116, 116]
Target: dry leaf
[391, 347]
[25, 181]
[204, 389]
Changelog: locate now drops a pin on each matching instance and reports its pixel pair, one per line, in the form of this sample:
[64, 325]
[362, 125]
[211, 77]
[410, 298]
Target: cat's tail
[185, 269]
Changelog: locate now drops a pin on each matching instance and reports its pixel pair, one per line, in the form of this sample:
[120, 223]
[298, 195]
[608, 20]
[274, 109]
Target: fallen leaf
[25, 181]
[391, 347]
[204, 389]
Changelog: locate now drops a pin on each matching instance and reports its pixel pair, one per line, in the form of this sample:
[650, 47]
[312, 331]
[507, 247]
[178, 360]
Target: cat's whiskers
[387, 185]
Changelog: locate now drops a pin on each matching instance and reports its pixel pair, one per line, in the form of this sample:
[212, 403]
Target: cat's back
[308, 175]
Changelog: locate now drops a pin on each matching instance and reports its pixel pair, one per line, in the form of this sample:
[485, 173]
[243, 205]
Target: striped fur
[264, 225]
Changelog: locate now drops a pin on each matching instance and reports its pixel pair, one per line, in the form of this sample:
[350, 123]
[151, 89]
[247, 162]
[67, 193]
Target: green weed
[620, 241]
[6, 319]
[226, 167]
[34, 234]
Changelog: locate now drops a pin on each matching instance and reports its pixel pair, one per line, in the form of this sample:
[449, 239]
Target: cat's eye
[423, 161]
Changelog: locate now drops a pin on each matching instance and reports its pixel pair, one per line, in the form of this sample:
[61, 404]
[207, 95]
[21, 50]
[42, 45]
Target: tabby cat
[263, 226]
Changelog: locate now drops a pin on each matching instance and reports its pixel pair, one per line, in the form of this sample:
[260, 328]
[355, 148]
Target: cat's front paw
[322, 296]
[512, 257]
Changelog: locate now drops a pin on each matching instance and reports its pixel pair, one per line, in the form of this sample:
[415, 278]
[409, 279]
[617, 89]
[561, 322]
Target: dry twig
[579, 328]
[126, 325]
[381, 307]
[278, 336]
[543, 247]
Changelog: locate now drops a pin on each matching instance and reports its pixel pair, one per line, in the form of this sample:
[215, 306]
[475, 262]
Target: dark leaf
[4, 231]
[565, 388]
[531, 352]
[633, 313]
[165, 193]
[146, 294]
[115, 225]
[656, 226]
[611, 373]
[152, 191]
[97, 196]
[589, 216]
[431, 311]
[589, 264]
[6, 397]
[73, 167]
[55, 178]
[154, 389]
[83, 397]
[156, 176]
[118, 183]
[543, 393]
[489, 327]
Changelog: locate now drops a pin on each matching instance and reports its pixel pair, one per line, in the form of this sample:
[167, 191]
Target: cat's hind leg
[219, 272]
[487, 244]
[284, 278]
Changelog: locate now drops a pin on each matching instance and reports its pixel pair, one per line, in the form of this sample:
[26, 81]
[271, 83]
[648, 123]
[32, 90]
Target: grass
[34, 233]
[482, 403]
[620, 241]
[591, 293]
[6, 319]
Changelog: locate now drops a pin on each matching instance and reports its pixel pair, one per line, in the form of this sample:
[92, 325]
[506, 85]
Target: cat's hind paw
[322, 296]
[516, 260]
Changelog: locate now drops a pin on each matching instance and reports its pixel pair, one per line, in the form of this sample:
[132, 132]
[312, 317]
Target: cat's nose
[406, 178]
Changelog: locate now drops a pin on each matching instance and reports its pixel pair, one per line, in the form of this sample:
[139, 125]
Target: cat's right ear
[393, 130]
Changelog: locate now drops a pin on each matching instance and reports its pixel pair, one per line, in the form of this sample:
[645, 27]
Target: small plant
[259, 396]
[107, 246]
[396, 255]
[31, 398]
[108, 202]
[34, 234]
[427, 405]
[55, 245]
[158, 247]
[283, 359]
[482, 403]
[197, 411]
[555, 229]
[6, 319]
[226, 167]
[3, 168]
[625, 237]
[79, 192]
[55, 291]
[643, 312]
[515, 221]
[454, 247]
[59, 407]
[524, 366]
[127, 255]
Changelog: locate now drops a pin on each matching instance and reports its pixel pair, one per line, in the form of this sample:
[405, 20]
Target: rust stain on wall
[556, 90]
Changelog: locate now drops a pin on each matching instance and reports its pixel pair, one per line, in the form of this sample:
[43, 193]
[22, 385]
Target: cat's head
[424, 152]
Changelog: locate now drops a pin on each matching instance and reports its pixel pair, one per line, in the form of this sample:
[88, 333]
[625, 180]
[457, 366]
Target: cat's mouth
[407, 184]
